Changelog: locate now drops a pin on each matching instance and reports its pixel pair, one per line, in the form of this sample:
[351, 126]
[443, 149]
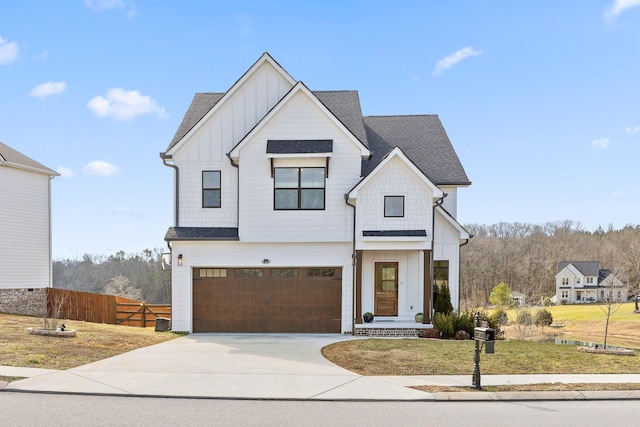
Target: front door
[386, 289]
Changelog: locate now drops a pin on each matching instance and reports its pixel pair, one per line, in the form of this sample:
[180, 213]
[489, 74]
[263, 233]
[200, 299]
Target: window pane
[394, 206]
[321, 272]
[312, 199]
[312, 178]
[211, 179]
[284, 272]
[211, 198]
[286, 177]
[286, 199]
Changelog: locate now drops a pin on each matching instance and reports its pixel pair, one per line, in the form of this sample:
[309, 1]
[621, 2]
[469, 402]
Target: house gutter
[466, 242]
[237, 166]
[353, 269]
[165, 157]
[433, 248]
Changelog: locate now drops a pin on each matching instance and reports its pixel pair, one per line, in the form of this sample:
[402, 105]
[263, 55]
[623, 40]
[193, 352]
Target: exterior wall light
[180, 260]
[266, 261]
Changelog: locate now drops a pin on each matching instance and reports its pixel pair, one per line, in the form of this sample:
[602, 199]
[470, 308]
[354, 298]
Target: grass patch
[536, 387]
[94, 341]
[450, 357]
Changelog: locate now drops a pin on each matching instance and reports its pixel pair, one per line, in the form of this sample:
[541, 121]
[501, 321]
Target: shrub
[443, 301]
[430, 333]
[524, 323]
[444, 323]
[465, 322]
[462, 335]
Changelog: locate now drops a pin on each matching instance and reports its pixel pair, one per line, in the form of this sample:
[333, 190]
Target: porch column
[428, 290]
[358, 284]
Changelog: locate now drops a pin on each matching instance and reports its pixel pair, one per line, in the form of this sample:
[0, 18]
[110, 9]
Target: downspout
[164, 158]
[353, 269]
[237, 166]
[466, 242]
[433, 248]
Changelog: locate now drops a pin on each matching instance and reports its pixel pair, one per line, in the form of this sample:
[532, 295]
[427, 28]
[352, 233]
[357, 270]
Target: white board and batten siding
[205, 148]
[25, 257]
[299, 119]
[251, 255]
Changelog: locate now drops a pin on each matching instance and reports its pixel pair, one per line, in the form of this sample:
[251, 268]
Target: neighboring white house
[584, 281]
[519, 298]
[294, 213]
[25, 227]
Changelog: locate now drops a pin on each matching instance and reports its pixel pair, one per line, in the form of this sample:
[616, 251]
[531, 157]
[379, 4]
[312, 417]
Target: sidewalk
[272, 367]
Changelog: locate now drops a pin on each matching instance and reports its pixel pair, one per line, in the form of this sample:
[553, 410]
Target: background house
[294, 213]
[25, 227]
[584, 281]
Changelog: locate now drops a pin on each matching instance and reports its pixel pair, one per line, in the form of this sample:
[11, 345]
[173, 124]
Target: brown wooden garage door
[267, 299]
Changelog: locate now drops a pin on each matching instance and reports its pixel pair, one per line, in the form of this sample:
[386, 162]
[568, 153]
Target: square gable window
[394, 206]
[211, 197]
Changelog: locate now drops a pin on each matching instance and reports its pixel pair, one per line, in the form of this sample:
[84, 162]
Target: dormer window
[394, 206]
[299, 188]
[211, 197]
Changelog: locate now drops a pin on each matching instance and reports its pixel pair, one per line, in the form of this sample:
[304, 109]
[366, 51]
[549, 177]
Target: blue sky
[540, 98]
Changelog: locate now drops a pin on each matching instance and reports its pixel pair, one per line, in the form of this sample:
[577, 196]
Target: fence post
[143, 309]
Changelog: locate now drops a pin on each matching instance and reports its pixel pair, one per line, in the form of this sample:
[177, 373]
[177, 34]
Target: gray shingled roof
[200, 105]
[587, 268]
[299, 146]
[201, 233]
[10, 155]
[422, 138]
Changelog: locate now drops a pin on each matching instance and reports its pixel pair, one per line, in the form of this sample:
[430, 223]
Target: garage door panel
[267, 300]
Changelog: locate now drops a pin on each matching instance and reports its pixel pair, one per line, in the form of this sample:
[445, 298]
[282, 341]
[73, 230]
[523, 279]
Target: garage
[304, 300]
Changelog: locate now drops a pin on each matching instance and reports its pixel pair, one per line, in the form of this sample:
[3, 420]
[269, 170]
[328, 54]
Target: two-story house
[294, 213]
[584, 281]
[25, 227]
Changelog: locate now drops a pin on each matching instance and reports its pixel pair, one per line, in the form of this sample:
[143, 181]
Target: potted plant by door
[367, 317]
[419, 317]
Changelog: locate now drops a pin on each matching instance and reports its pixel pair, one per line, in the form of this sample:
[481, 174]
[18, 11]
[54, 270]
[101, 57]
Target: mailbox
[486, 336]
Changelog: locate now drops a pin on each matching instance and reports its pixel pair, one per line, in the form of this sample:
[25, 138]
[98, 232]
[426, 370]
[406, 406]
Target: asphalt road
[29, 409]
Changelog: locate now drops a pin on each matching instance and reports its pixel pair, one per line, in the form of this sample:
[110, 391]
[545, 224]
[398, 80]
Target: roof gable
[299, 88]
[396, 153]
[205, 105]
[586, 268]
[464, 234]
[13, 158]
[422, 138]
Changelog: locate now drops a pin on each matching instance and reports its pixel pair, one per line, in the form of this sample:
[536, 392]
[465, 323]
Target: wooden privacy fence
[99, 308]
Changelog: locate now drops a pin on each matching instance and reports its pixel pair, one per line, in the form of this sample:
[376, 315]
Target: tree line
[525, 257]
[138, 276]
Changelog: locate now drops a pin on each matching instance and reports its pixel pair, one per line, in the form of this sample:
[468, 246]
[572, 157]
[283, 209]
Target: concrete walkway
[271, 367]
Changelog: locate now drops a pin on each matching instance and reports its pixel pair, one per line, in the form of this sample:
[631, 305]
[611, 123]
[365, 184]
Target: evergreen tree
[443, 301]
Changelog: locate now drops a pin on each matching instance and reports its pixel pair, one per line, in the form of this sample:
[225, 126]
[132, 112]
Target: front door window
[386, 303]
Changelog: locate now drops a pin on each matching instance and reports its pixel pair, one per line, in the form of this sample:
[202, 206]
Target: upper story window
[394, 206]
[299, 188]
[211, 197]
[565, 281]
[578, 280]
[589, 280]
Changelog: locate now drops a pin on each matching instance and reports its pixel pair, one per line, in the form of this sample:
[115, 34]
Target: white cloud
[47, 89]
[65, 172]
[631, 130]
[451, 60]
[601, 143]
[100, 168]
[8, 51]
[617, 194]
[619, 6]
[121, 104]
[99, 5]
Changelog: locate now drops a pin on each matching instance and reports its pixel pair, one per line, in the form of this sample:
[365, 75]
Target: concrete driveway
[282, 366]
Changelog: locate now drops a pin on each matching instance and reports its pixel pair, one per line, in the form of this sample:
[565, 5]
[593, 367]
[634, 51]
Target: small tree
[443, 301]
[612, 300]
[524, 323]
[121, 286]
[543, 318]
[501, 296]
